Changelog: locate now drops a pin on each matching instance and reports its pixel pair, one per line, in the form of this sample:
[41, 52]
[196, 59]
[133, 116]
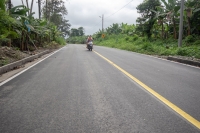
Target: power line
[120, 8]
[114, 12]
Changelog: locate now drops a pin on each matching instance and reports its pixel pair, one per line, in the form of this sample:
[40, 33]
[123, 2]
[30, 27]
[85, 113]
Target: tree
[74, 32]
[55, 11]
[81, 31]
[64, 28]
[127, 29]
[9, 4]
[147, 19]
[53, 7]
[114, 29]
[191, 13]
[2, 5]
[171, 11]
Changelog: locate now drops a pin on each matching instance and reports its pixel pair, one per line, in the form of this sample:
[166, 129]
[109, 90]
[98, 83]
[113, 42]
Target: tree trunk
[22, 2]
[9, 43]
[31, 6]
[174, 27]
[27, 6]
[22, 41]
[162, 30]
[9, 4]
[189, 27]
[46, 10]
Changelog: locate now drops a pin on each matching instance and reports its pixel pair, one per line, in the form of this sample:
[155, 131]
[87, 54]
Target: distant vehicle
[90, 45]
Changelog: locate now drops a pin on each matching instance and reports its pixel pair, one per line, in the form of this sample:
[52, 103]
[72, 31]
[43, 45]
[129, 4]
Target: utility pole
[102, 22]
[39, 8]
[181, 25]
[46, 10]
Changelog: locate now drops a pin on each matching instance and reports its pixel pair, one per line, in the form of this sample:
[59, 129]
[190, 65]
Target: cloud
[85, 13]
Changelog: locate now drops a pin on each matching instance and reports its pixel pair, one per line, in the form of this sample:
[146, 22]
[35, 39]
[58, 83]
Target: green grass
[156, 47]
[60, 40]
[4, 62]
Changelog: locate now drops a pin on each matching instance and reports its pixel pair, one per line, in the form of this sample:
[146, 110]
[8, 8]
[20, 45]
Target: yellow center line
[185, 115]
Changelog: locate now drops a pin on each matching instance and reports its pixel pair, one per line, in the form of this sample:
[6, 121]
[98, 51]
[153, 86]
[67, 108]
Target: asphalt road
[77, 91]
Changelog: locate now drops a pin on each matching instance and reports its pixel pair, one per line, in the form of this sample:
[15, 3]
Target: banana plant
[171, 11]
[7, 28]
[2, 5]
[190, 9]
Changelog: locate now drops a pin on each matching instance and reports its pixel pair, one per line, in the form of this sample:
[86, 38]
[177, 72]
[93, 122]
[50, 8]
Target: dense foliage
[55, 12]
[156, 30]
[20, 29]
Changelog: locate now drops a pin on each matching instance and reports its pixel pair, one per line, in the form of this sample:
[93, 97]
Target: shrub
[189, 39]
[182, 51]
[135, 37]
[197, 42]
[144, 39]
[148, 47]
[127, 38]
[61, 40]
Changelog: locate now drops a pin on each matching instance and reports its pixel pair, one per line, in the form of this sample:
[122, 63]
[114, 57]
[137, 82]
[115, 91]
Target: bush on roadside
[182, 51]
[148, 47]
[189, 39]
[135, 37]
[197, 42]
[61, 40]
[127, 38]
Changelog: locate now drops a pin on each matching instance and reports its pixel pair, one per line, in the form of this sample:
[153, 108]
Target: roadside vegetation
[152, 47]
[156, 30]
[20, 30]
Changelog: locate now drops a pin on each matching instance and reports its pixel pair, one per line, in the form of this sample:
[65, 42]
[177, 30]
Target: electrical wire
[114, 12]
[119, 9]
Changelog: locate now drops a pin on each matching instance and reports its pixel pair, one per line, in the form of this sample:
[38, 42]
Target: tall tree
[55, 11]
[74, 32]
[81, 31]
[9, 4]
[147, 18]
[171, 9]
[2, 5]
[192, 17]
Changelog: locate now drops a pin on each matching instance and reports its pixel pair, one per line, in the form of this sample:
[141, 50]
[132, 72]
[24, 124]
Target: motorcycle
[90, 45]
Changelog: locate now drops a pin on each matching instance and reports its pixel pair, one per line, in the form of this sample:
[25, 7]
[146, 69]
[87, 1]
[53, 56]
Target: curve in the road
[185, 115]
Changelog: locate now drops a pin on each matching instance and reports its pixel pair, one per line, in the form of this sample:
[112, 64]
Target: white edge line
[7, 80]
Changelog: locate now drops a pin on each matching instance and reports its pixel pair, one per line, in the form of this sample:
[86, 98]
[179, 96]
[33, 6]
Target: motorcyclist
[89, 39]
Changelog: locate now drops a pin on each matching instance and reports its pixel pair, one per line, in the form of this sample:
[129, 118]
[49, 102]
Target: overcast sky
[85, 13]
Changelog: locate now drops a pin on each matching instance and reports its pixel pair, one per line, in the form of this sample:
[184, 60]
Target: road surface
[103, 91]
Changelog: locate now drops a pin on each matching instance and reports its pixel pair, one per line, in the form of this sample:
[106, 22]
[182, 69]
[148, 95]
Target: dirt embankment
[9, 54]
